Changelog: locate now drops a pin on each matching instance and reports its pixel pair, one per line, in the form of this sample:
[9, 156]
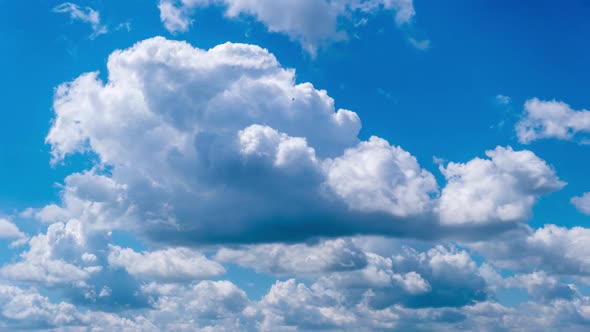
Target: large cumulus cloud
[187, 139]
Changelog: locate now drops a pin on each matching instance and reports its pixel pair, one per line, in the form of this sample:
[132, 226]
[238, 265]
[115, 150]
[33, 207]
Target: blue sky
[434, 171]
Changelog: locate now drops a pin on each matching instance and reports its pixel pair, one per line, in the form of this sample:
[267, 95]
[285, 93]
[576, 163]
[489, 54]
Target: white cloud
[86, 15]
[170, 265]
[376, 177]
[551, 119]
[208, 305]
[440, 276]
[189, 134]
[312, 23]
[503, 100]
[27, 309]
[557, 250]
[281, 259]
[422, 44]
[500, 189]
[47, 260]
[582, 203]
[543, 287]
[8, 230]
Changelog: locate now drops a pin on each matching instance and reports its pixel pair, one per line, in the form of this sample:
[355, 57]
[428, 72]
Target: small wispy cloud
[420, 44]
[503, 100]
[85, 14]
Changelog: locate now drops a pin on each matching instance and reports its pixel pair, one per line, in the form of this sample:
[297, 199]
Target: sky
[294, 165]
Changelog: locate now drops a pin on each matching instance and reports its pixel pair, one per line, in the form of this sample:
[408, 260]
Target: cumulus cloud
[582, 203]
[297, 259]
[27, 309]
[8, 230]
[500, 189]
[195, 137]
[49, 258]
[86, 15]
[551, 119]
[312, 23]
[289, 305]
[438, 277]
[206, 306]
[376, 177]
[543, 287]
[170, 265]
[555, 249]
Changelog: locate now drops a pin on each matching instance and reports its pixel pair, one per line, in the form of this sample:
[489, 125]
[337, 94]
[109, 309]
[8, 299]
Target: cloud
[312, 23]
[500, 189]
[170, 265]
[297, 259]
[86, 15]
[46, 261]
[440, 276]
[27, 309]
[8, 230]
[503, 100]
[543, 287]
[582, 203]
[376, 177]
[557, 250]
[423, 44]
[551, 119]
[189, 135]
[208, 305]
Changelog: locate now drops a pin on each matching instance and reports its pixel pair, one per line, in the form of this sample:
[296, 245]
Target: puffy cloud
[71, 259]
[376, 177]
[27, 309]
[188, 138]
[440, 276]
[542, 286]
[49, 258]
[551, 119]
[297, 259]
[208, 305]
[312, 23]
[500, 189]
[294, 304]
[170, 265]
[582, 203]
[557, 250]
[86, 15]
[8, 230]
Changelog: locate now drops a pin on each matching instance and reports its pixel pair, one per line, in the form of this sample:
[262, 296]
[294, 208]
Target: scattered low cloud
[551, 119]
[582, 203]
